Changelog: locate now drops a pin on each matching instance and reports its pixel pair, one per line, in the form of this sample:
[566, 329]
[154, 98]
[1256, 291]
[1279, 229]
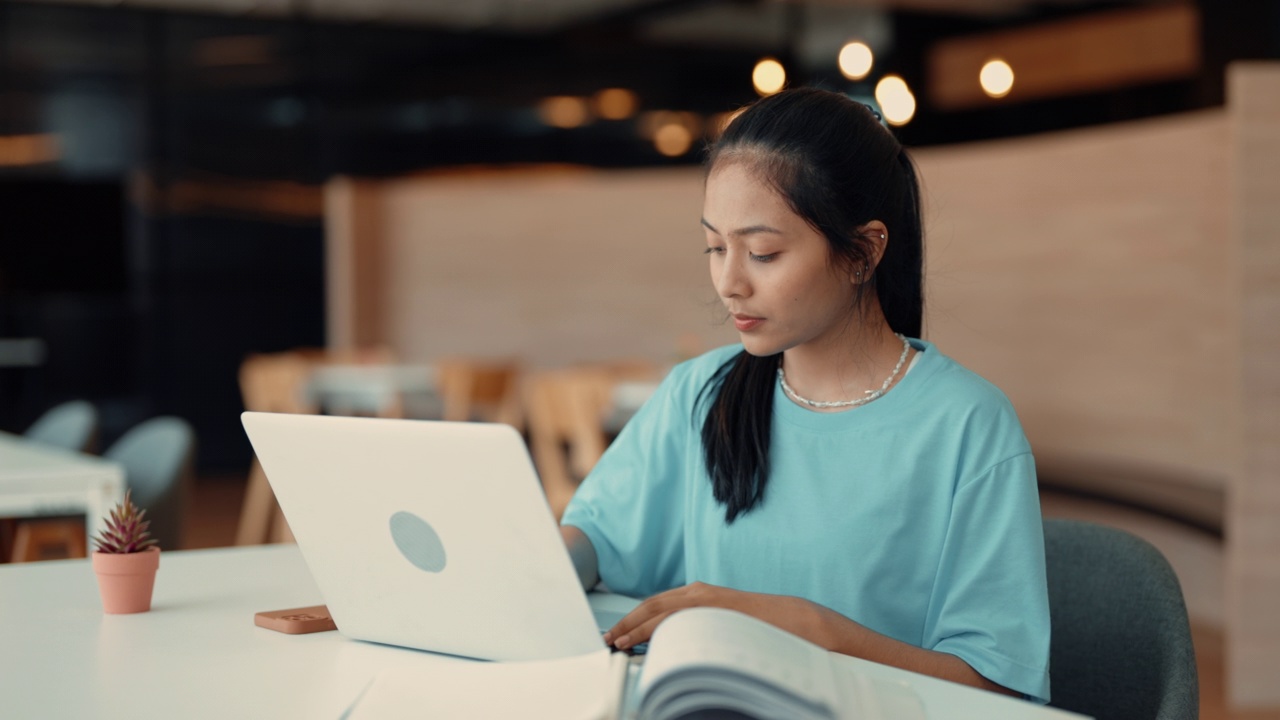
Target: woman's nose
[731, 281]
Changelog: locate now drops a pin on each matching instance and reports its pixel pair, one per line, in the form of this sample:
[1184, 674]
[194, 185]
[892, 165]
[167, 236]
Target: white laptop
[430, 535]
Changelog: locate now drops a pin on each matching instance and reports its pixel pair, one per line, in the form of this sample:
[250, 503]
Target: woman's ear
[877, 236]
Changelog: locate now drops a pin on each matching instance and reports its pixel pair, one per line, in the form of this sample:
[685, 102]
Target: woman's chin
[760, 347]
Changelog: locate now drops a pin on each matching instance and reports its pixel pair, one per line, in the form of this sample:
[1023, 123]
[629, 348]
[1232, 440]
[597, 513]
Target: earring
[881, 236]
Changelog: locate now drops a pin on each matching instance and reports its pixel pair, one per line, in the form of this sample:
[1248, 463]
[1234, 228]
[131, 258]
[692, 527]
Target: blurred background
[433, 208]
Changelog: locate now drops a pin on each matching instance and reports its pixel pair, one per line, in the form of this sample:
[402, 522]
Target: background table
[374, 389]
[625, 401]
[197, 654]
[36, 480]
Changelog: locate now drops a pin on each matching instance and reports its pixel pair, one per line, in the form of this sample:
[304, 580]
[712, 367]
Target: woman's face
[771, 269]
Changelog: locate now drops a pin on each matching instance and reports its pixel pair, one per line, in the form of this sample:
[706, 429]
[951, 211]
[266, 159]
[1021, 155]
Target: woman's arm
[840, 634]
[583, 554]
[817, 624]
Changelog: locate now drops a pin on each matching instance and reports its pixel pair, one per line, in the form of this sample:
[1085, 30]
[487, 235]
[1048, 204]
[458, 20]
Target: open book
[701, 659]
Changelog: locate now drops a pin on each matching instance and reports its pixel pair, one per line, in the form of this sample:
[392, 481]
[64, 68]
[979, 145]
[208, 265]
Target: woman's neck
[856, 361]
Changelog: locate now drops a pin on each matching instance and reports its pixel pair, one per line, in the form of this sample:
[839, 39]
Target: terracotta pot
[125, 581]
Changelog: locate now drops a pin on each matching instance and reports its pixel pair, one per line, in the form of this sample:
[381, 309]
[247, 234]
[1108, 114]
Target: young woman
[833, 475]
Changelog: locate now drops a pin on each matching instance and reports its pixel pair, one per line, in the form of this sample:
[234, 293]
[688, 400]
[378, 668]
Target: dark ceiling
[304, 89]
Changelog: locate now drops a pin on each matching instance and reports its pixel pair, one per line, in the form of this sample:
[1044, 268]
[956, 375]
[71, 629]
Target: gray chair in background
[72, 426]
[158, 457]
[1121, 645]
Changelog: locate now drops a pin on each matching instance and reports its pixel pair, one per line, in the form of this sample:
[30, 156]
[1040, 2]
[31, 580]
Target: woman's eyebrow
[749, 230]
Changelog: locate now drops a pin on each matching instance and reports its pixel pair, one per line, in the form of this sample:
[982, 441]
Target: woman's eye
[714, 251]
[764, 258]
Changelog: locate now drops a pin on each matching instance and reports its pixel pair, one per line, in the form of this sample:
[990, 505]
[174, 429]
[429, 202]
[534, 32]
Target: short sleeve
[631, 505]
[990, 603]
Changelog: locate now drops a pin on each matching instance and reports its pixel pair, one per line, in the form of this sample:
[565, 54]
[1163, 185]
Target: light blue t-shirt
[916, 515]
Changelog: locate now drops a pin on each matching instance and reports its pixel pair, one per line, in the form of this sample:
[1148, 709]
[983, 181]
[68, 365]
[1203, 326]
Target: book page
[584, 687]
[738, 643]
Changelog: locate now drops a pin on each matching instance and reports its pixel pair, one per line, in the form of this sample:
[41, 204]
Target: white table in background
[197, 653]
[370, 389]
[625, 401]
[38, 480]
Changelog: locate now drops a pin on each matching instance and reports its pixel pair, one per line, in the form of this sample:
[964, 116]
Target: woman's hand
[792, 614]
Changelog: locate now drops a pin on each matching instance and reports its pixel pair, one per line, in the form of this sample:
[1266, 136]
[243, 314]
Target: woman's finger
[640, 633]
[635, 618]
[659, 606]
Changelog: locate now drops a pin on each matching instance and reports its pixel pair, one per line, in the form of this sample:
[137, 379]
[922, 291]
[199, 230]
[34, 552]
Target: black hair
[838, 168]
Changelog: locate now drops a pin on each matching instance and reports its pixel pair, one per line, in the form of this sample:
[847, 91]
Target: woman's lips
[746, 323]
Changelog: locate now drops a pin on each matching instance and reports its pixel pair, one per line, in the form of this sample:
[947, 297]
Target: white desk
[625, 401]
[37, 480]
[197, 654]
[371, 389]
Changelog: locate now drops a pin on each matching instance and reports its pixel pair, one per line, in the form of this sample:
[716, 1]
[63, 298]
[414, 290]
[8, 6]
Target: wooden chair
[277, 382]
[51, 539]
[270, 383]
[565, 410]
[550, 429]
[377, 356]
[487, 390]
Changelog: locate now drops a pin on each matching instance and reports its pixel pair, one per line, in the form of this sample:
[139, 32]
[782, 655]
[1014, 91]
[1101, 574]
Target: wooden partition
[1253, 514]
[1090, 275]
[550, 265]
[1121, 284]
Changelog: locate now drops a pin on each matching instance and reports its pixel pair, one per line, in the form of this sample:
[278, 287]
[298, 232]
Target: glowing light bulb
[996, 78]
[855, 60]
[768, 77]
[673, 139]
[896, 101]
[564, 111]
[615, 103]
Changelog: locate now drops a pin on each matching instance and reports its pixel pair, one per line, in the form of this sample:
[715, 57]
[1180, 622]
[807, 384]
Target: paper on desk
[574, 688]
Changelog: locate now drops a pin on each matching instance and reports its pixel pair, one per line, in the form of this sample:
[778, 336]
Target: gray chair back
[1121, 644]
[71, 426]
[158, 457]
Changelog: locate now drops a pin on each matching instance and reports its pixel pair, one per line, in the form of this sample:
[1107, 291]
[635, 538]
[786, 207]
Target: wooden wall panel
[356, 264]
[553, 266]
[1253, 517]
[1103, 51]
[1087, 274]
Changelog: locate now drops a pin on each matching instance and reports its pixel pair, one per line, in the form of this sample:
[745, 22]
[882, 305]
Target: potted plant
[126, 560]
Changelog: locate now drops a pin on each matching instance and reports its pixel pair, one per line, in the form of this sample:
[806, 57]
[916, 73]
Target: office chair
[566, 410]
[273, 382]
[158, 457]
[72, 426]
[1121, 642]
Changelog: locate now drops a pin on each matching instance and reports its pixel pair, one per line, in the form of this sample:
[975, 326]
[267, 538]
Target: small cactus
[126, 530]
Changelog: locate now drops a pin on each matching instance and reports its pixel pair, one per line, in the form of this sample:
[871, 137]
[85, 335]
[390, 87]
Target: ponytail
[901, 295]
[735, 433]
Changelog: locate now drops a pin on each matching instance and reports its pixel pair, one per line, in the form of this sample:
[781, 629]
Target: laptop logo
[418, 541]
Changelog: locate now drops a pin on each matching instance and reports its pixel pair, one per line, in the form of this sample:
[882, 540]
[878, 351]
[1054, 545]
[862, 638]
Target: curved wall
[1091, 276]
